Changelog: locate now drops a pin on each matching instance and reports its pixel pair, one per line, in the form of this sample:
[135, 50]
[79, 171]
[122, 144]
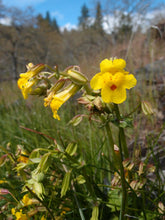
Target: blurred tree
[52, 22]
[47, 18]
[13, 39]
[84, 18]
[55, 25]
[125, 28]
[47, 42]
[98, 24]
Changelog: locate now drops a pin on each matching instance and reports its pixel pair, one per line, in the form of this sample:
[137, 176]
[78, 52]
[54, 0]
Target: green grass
[16, 113]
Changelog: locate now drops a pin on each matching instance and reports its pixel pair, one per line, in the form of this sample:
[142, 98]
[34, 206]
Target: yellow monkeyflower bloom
[13, 211]
[26, 200]
[19, 215]
[113, 81]
[23, 158]
[58, 99]
[58, 86]
[28, 79]
[43, 218]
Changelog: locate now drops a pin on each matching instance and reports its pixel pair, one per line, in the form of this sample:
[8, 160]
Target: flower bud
[40, 90]
[77, 77]
[4, 191]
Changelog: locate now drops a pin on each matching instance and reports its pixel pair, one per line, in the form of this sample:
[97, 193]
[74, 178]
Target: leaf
[126, 123]
[114, 201]
[3, 160]
[95, 213]
[65, 183]
[71, 149]
[35, 160]
[44, 163]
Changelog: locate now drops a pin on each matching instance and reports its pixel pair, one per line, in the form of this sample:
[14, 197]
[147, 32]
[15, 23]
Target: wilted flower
[28, 79]
[113, 80]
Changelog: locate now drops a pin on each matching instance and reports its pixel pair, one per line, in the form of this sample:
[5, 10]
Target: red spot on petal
[113, 87]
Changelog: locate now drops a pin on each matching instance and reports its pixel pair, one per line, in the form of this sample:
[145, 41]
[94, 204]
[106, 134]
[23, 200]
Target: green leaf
[65, 183]
[114, 201]
[44, 163]
[126, 123]
[95, 213]
[35, 160]
[71, 149]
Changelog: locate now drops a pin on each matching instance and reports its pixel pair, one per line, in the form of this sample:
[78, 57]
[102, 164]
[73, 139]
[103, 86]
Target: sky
[66, 12]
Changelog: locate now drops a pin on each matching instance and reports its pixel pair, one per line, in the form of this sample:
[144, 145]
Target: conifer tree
[84, 18]
[55, 25]
[47, 18]
[98, 19]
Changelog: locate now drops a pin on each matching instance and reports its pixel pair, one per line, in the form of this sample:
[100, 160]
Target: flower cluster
[19, 215]
[113, 80]
[56, 94]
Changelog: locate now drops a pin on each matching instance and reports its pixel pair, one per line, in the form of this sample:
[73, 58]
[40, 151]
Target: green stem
[112, 155]
[123, 149]
[123, 184]
[122, 133]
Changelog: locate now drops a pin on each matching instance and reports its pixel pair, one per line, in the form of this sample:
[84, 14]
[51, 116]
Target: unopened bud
[40, 90]
[4, 191]
[77, 77]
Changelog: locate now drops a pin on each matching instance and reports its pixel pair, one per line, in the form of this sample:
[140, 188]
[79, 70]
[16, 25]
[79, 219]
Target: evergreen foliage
[84, 18]
[98, 24]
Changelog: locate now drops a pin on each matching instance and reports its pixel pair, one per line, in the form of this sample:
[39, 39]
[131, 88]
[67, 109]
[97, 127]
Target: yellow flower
[23, 158]
[113, 81]
[3, 181]
[43, 218]
[58, 99]
[26, 200]
[28, 79]
[13, 211]
[19, 215]
[58, 86]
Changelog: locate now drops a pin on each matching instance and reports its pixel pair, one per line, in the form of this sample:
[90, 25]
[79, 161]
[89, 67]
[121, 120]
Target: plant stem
[112, 155]
[121, 133]
[124, 191]
[122, 148]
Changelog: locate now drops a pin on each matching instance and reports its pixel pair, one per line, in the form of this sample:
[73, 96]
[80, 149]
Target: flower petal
[129, 81]
[105, 65]
[116, 96]
[55, 105]
[106, 94]
[119, 95]
[113, 65]
[97, 81]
